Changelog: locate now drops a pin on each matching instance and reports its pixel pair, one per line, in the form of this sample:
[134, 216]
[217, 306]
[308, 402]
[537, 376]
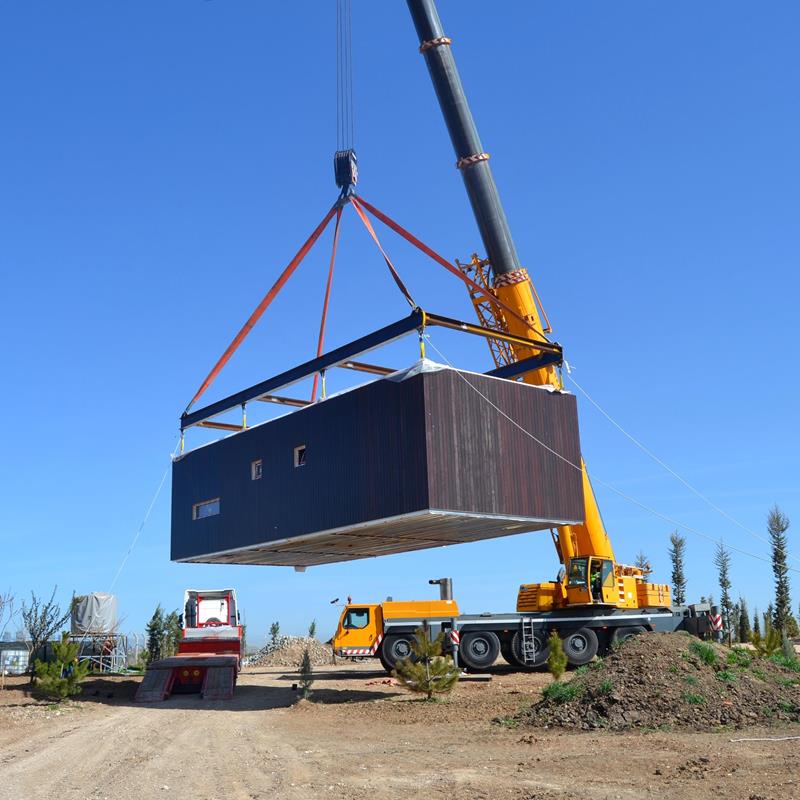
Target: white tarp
[94, 614]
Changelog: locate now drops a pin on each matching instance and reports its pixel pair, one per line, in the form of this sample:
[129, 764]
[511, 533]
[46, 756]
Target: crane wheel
[580, 646]
[621, 635]
[395, 648]
[541, 645]
[507, 652]
[479, 650]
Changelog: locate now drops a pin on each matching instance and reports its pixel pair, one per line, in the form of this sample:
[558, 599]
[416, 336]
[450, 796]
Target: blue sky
[161, 162]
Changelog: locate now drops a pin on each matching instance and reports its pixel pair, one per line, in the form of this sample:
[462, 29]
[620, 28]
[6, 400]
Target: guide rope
[593, 477]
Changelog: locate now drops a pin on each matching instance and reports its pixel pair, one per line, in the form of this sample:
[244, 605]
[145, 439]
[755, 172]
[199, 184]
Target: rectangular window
[356, 619]
[300, 456]
[255, 470]
[208, 508]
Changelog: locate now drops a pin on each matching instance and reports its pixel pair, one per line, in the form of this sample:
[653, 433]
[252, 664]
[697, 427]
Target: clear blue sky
[162, 161]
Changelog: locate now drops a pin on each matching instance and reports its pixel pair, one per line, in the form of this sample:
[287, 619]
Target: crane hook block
[345, 169]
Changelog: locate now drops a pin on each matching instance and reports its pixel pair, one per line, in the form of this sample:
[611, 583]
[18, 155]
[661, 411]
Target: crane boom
[511, 282]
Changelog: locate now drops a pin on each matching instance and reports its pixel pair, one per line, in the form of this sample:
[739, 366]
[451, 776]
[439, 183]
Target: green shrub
[557, 660]
[705, 652]
[561, 692]
[59, 679]
[726, 676]
[768, 645]
[694, 699]
[739, 657]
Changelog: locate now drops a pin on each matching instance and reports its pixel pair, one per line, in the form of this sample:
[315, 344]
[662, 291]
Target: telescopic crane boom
[585, 550]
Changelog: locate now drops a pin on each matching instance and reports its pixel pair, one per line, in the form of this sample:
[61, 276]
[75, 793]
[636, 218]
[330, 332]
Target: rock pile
[287, 651]
[672, 680]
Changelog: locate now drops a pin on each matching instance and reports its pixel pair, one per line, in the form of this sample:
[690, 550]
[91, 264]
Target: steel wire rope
[669, 469]
[593, 477]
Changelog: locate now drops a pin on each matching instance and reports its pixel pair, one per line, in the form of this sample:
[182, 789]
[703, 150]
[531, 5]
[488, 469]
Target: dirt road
[361, 739]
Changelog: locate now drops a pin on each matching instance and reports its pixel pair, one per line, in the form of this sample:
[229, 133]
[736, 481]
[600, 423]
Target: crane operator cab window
[578, 572]
[356, 619]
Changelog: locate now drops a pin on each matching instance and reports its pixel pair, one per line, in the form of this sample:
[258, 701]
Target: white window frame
[256, 469]
[197, 506]
[301, 448]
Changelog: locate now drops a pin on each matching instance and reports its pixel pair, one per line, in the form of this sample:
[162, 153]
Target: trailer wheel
[395, 648]
[580, 646]
[621, 635]
[541, 645]
[479, 650]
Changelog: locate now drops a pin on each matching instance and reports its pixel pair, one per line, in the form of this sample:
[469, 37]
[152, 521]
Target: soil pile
[287, 651]
[672, 680]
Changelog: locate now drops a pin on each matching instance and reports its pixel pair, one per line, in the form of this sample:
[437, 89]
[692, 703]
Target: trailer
[386, 630]
[209, 654]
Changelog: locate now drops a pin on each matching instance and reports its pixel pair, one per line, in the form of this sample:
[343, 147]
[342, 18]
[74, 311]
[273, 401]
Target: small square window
[300, 456]
[255, 470]
[208, 508]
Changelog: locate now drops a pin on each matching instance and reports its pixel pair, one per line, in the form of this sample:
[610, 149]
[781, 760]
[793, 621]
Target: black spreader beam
[334, 358]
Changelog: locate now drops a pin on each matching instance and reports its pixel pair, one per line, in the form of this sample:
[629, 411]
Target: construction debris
[287, 651]
[671, 680]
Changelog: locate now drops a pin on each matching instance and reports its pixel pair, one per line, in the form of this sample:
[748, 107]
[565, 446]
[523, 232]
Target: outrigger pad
[422, 458]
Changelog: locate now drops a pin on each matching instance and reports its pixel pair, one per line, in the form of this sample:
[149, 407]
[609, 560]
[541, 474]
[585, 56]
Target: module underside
[404, 463]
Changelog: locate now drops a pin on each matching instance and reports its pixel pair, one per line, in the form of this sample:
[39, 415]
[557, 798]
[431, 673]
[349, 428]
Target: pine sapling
[61, 678]
[557, 660]
[312, 629]
[306, 675]
[274, 632]
[426, 671]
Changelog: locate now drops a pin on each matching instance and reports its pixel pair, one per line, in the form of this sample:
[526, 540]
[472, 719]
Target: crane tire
[542, 649]
[479, 650]
[621, 635]
[580, 646]
[507, 651]
[394, 648]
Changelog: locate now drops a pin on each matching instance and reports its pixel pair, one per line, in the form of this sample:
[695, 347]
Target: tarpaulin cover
[94, 613]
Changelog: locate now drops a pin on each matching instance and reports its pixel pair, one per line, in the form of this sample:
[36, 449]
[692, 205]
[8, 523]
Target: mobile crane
[595, 600]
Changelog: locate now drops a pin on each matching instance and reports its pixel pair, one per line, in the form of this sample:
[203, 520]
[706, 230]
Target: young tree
[173, 633]
[677, 551]
[61, 678]
[736, 614]
[643, 563]
[557, 660]
[306, 675]
[756, 623]
[722, 560]
[767, 617]
[274, 632]
[777, 525]
[156, 630]
[427, 671]
[42, 620]
[8, 611]
[312, 629]
[744, 621]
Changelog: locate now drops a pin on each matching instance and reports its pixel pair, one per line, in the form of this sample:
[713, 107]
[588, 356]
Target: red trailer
[209, 654]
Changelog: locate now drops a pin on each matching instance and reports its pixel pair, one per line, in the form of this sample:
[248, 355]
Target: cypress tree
[173, 633]
[155, 631]
[676, 554]
[756, 623]
[722, 560]
[744, 621]
[777, 525]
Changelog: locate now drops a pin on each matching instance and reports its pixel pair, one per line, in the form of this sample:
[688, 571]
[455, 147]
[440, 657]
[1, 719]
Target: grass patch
[508, 722]
[759, 673]
[781, 681]
[705, 652]
[582, 670]
[788, 663]
[787, 707]
[691, 680]
[560, 692]
[726, 676]
[606, 687]
[694, 699]
[739, 657]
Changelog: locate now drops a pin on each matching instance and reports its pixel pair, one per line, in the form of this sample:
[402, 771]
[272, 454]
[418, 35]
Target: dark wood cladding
[381, 462]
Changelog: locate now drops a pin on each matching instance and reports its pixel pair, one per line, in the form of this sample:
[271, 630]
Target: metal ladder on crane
[528, 642]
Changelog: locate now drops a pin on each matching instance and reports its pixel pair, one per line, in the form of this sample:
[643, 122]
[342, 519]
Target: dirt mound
[287, 651]
[672, 680]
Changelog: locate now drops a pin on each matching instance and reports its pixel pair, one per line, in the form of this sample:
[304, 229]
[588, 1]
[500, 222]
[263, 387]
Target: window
[208, 508]
[255, 470]
[356, 618]
[577, 571]
[300, 456]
